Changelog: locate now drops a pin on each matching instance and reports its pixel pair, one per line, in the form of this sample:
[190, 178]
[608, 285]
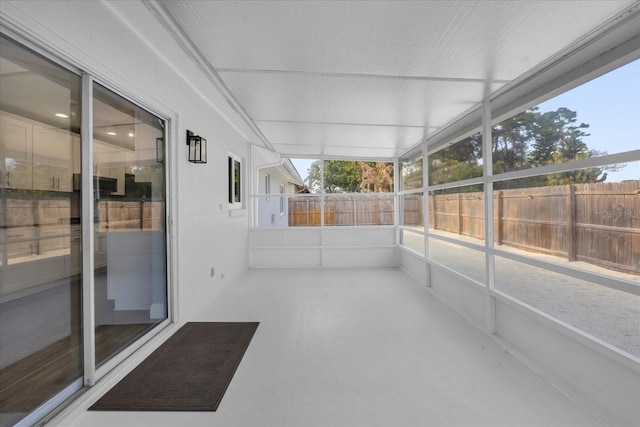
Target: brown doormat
[189, 372]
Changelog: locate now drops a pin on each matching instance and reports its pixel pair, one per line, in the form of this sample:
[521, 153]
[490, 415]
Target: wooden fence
[34, 227]
[596, 223]
[44, 226]
[342, 210]
[412, 210]
[142, 215]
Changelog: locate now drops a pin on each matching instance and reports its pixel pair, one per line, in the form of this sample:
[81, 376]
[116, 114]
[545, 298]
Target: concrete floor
[361, 347]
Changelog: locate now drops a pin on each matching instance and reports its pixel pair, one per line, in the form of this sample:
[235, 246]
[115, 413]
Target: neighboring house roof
[293, 173]
[266, 159]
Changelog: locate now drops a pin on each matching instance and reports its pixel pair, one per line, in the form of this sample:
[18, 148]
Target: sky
[610, 105]
[302, 165]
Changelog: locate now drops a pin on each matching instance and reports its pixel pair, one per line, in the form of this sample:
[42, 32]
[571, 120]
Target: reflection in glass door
[45, 317]
[129, 222]
[40, 231]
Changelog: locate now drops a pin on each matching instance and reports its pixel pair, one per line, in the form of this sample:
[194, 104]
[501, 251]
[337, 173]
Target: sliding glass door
[129, 222]
[57, 325]
[40, 240]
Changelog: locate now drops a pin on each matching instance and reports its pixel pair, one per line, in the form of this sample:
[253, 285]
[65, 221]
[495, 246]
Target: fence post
[571, 222]
[142, 214]
[433, 209]
[107, 218]
[354, 211]
[499, 211]
[459, 213]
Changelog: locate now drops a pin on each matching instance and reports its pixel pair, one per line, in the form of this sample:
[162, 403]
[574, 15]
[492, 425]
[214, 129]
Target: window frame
[236, 200]
[267, 185]
[281, 199]
[483, 120]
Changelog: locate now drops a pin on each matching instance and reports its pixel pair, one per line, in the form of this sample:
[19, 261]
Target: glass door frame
[76, 64]
[92, 373]
[22, 37]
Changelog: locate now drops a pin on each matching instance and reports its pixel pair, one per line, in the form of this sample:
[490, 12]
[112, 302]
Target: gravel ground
[608, 314]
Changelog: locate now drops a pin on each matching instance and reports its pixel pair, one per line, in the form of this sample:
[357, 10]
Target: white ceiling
[371, 79]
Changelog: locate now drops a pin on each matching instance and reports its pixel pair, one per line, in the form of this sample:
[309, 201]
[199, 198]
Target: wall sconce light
[197, 148]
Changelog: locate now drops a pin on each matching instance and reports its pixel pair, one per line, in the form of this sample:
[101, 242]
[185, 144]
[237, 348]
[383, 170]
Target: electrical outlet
[213, 271]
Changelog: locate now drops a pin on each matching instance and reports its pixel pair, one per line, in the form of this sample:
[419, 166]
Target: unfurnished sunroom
[432, 208]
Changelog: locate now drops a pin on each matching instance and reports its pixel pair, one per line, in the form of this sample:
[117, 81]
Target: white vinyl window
[281, 200]
[235, 182]
[267, 184]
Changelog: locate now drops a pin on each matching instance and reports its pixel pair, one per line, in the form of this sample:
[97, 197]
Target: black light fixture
[197, 148]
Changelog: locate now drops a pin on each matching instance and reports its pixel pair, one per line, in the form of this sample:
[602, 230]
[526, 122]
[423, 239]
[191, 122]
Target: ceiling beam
[309, 122]
[360, 75]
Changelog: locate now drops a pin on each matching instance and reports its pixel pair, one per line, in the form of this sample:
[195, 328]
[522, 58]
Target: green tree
[457, 162]
[526, 140]
[450, 170]
[412, 173]
[529, 139]
[345, 176]
[312, 182]
[339, 176]
[510, 141]
[532, 139]
[559, 139]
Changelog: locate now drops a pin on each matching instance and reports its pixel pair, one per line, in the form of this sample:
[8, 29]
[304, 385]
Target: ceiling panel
[469, 39]
[402, 102]
[312, 151]
[327, 135]
[300, 69]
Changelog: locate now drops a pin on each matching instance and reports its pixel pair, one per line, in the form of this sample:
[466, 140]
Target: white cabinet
[77, 155]
[109, 162]
[101, 159]
[117, 168]
[52, 160]
[15, 153]
[34, 156]
[129, 161]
